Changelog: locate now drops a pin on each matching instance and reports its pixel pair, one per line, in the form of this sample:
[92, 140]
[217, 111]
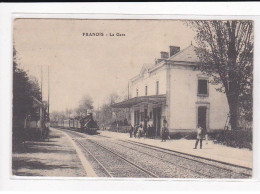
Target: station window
[136, 92]
[157, 87]
[146, 90]
[203, 87]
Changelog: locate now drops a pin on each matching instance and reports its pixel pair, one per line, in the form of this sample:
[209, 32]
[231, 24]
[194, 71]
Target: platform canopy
[142, 99]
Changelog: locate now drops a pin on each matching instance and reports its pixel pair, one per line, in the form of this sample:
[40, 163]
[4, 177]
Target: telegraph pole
[128, 90]
[48, 94]
[41, 82]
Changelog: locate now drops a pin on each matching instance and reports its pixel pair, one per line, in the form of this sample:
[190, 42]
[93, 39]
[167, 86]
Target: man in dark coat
[131, 131]
[145, 127]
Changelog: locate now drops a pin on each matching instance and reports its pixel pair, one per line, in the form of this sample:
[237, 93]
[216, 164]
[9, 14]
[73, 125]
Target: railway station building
[174, 89]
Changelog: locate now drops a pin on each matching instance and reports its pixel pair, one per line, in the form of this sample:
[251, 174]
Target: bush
[191, 135]
[178, 135]
[186, 135]
[235, 138]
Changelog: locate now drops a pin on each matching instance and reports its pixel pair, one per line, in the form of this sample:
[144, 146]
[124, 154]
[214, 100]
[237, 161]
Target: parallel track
[103, 166]
[100, 164]
[126, 160]
[192, 158]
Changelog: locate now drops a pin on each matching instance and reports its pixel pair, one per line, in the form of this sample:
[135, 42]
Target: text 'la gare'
[102, 34]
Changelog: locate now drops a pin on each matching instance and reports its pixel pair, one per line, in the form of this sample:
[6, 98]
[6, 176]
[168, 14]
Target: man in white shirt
[199, 138]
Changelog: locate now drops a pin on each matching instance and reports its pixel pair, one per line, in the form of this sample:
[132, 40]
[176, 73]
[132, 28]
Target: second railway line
[121, 158]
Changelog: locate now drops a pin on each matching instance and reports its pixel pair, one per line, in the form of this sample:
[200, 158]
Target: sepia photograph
[132, 98]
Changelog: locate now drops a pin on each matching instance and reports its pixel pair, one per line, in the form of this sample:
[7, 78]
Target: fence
[120, 129]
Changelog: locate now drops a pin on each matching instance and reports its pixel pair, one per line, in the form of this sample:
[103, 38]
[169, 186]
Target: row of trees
[25, 88]
[105, 115]
[79, 113]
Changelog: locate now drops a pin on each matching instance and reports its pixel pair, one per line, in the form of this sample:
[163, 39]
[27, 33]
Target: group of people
[120, 123]
[146, 129]
[143, 129]
[139, 130]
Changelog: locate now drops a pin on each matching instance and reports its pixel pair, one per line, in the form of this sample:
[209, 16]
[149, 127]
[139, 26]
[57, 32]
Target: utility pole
[128, 90]
[48, 94]
[41, 82]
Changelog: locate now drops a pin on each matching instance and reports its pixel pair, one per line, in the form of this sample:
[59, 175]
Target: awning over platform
[142, 99]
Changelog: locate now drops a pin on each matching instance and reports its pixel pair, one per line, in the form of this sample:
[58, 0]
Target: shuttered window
[157, 87]
[202, 87]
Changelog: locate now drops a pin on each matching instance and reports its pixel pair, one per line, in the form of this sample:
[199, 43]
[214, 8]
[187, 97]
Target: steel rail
[128, 161]
[184, 155]
[94, 158]
[163, 160]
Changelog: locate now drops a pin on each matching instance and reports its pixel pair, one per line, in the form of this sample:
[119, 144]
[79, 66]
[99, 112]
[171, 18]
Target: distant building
[173, 89]
[36, 121]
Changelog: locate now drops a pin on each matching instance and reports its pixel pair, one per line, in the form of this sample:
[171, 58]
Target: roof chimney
[174, 50]
[164, 55]
[158, 61]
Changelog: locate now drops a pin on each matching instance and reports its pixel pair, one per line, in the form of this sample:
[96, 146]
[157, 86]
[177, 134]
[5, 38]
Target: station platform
[54, 157]
[235, 156]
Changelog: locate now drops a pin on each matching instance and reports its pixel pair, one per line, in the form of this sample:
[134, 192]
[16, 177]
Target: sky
[92, 65]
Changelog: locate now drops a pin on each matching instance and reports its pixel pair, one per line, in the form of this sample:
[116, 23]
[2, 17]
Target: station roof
[136, 100]
[36, 102]
[186, 55]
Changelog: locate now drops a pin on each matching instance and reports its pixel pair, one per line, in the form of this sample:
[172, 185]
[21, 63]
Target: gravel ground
[115, 166]
[55, 157]
[163, 165]
[161, 168]
[205, 167]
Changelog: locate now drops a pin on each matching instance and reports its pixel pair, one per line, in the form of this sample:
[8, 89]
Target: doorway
[136, 117]
[202, 117]
[157, 113]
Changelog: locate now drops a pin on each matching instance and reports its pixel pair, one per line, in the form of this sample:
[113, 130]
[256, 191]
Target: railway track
[114, 164]
[218, 167]
[203, 167]
[243, 170]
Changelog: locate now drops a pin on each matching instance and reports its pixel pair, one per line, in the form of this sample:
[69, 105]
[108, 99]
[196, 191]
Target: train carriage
[86, 125]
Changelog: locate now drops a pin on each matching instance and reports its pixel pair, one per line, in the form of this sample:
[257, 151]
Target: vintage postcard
[146, 98]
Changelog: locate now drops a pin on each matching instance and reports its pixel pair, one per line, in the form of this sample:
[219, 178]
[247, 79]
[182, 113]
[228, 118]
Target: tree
[35, 87]
[86, 104]
[225, 51]
[68, 112]
[106, 112]
[56, 116]
[24, 89]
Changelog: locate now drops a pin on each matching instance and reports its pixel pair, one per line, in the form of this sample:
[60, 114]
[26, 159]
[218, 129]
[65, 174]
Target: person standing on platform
[150, 127]
[165, 133]
[145, 127]
[199, 137]
[140, 131]
[135, 130]
[131, 131]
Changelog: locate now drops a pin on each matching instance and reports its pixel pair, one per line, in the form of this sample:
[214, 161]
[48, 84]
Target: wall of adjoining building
[149, 80]
[184, 101]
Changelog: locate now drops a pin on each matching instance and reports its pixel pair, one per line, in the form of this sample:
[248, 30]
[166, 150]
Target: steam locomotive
[84, 125]
[89, 125]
